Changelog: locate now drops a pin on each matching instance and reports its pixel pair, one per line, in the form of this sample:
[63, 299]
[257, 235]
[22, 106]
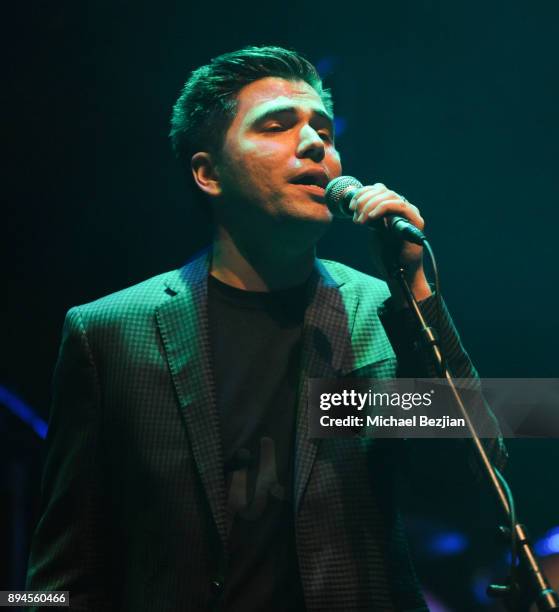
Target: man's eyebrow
[273, 112]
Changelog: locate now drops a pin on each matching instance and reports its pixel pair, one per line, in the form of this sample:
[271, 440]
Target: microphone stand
[528, 585]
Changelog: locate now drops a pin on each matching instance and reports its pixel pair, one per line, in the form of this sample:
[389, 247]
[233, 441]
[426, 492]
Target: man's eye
[275, 127]
[325, 136]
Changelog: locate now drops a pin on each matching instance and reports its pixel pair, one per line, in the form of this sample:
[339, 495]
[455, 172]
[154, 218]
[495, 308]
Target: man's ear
[205, 173]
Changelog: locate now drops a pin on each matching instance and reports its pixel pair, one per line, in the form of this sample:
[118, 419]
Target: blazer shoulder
[134, 301]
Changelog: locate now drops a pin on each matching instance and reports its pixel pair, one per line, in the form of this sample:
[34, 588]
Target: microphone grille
[337, 191]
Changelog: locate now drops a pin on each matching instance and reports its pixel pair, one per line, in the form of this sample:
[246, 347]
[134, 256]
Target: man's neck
[257, 266]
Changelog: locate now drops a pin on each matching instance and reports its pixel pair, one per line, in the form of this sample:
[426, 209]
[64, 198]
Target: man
[180, 475]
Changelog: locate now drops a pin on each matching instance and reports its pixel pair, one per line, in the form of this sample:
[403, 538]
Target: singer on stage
[179, 472]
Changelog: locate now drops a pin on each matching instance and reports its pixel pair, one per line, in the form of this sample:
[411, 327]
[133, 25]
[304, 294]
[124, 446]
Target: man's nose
[311, 144]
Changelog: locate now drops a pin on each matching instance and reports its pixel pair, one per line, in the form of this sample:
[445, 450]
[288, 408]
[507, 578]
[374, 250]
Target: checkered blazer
[134, 500]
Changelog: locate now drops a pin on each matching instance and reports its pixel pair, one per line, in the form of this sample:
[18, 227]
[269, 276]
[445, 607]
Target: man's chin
[311, 213]
[305, 225]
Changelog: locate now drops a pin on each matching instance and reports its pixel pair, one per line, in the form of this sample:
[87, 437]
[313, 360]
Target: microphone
[338, 195]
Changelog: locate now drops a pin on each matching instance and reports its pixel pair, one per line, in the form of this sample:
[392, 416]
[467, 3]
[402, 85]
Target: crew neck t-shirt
[255, 345]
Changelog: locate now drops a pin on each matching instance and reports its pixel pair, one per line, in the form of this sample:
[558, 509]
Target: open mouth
[316, 178]
[313, 182]
[314, 190]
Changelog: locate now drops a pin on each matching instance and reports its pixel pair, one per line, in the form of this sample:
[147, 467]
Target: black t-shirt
[255, 338]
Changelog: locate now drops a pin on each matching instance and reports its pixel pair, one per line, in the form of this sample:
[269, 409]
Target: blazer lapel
[183, 323]
[325, 353]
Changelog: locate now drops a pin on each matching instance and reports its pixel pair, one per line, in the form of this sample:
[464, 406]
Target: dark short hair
[208, 101]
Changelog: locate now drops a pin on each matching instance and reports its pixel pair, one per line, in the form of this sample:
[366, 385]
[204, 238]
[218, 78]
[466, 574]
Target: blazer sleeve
[69, 543]
[414, 362]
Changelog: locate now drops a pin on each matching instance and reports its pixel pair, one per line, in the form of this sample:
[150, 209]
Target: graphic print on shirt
[266, 486]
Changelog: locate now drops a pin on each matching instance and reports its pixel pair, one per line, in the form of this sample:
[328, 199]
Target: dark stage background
[454, 104]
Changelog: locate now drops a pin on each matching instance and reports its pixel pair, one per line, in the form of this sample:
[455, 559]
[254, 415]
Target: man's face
[278, 153]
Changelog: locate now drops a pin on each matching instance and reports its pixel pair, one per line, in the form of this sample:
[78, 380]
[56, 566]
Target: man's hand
[371, 204]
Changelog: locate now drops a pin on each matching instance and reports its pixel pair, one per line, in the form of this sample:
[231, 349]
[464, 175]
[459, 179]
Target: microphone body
[338, 195]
